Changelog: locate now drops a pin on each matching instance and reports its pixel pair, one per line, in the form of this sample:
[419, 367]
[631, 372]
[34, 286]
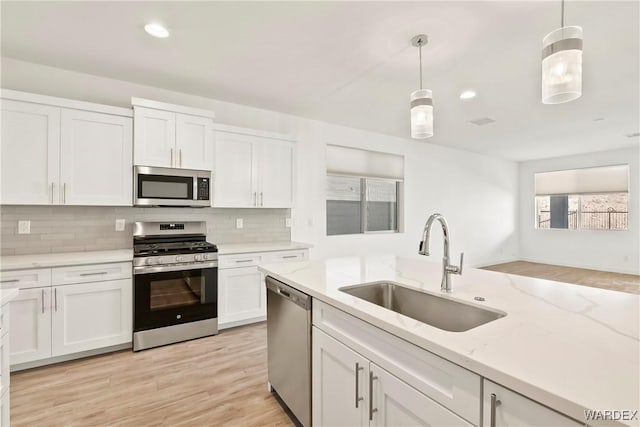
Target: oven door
[171, 295]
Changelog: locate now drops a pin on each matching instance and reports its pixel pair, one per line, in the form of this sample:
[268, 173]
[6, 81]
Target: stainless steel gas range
[175, 295]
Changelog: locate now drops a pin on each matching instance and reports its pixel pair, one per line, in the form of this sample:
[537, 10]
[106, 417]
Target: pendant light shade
[421, 114]
[421, 101]
[562, 64]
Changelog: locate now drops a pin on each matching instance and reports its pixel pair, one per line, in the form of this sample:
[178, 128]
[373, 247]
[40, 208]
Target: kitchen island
[569, 348]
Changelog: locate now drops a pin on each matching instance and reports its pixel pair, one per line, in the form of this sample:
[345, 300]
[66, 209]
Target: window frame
[399, 184]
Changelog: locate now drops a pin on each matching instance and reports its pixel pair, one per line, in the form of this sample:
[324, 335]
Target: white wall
[598, 249]
[476, 193]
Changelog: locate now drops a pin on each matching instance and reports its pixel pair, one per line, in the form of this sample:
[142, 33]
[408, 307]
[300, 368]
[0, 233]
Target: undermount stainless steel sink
[443, 313]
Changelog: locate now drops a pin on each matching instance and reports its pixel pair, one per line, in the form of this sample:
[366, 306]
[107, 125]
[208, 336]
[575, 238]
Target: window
[583, 199]
[364, 191]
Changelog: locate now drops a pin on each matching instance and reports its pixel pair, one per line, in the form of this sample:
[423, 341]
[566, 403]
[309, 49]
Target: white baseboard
[501, 261]
[242, 322]
[587, 267]
[67, 357]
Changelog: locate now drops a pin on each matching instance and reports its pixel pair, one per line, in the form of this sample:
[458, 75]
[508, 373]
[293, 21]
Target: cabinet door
[276, 174]
[154, 137]
[29, 153]
[340, 383]
[5, 377]
[241, 295]
[194, 142]
[96, 165]
[30, 320]
[513, 409]
[234, 171]
[87, 316]
[395, 403]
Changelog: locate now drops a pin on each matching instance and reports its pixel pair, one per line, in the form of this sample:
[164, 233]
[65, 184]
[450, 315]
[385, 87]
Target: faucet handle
[460, 266]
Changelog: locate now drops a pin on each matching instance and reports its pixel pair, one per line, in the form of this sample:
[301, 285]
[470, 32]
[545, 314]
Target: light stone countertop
[23, 262]
[243, 248]
[6, 295]
[566, 346]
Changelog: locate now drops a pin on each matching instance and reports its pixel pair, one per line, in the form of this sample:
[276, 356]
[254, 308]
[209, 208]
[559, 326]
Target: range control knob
[205, 257]
[150, 261]
[179, 258]
[198, 258]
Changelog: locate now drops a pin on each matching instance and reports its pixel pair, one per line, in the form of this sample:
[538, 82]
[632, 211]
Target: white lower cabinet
[512, 409]
[91, 315]
[350, 390]
[69, 310]
[30, 315]
[242, 294]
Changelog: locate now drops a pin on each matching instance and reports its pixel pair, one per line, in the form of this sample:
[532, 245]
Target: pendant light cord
[420, 49]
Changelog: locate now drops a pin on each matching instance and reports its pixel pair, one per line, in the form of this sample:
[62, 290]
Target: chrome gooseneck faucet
[447, 269]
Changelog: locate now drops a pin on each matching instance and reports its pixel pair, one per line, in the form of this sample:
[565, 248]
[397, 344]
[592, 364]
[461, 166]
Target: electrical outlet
[287, 222]
[24, 227]
[120, 224]
[239, 223]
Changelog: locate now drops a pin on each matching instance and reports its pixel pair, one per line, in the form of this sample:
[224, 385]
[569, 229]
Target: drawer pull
[10, 281]
[99, 273]
[243, 260]
[290, 256]
[494, 402]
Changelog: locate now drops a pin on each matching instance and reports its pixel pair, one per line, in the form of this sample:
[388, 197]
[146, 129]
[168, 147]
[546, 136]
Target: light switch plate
[24, 227]
[239, 223]
[120, 224]
[287, 222]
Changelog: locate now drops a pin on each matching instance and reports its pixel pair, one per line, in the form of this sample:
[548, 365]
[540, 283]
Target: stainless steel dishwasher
[289, 347]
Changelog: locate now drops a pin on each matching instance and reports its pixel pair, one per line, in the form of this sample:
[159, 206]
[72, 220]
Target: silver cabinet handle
[255, 199]
[261, 199]
[372, 378]
[43, 301]
[180, 156]
[52, 192]
[64, 193]
[289, 256]
[243, 260]
[358, 398]
[55, 298]
[10, 281]
[93, 274]
[171, 157]
[494, 402]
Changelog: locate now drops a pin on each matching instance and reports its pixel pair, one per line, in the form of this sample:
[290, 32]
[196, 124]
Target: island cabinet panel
[340, 377]
[448, 384]
[396, 403]
[510, 409]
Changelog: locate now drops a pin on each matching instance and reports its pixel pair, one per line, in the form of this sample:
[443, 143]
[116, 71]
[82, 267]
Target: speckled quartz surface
[243, 248]
[23, 262]
[566, 346]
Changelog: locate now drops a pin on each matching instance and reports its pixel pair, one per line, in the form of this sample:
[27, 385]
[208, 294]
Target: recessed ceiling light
[157, 30]
[468, 94]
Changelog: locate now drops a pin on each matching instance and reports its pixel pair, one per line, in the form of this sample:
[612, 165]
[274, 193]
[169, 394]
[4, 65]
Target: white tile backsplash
[81, 228]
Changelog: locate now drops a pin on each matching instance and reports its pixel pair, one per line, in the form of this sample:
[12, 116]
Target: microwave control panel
[203, 188]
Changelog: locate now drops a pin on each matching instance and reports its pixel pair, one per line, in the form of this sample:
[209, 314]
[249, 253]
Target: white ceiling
[351, 63]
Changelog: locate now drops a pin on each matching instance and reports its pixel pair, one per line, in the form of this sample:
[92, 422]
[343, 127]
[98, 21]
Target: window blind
[364, 163]
[605, 179]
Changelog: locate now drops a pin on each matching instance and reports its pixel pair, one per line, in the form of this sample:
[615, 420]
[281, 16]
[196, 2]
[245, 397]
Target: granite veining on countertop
[243, 248]
[23, 262]
[566, 346]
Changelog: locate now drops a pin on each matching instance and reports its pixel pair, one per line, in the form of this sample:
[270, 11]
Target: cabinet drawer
[241, 260]
[91, 273]
[24, 279]
[450, 385]
[285, 256]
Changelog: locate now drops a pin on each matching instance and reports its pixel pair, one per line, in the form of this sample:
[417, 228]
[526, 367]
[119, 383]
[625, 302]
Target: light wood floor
[214, 381]
[598, 279]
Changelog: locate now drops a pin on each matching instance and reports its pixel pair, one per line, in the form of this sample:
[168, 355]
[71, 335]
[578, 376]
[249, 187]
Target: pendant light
[562, 64]
[421, 101]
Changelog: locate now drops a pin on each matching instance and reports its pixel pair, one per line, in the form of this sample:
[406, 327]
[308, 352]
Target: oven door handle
[175, 267]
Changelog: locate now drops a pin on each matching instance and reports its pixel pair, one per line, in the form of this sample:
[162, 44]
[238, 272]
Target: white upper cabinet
[172, 136]
[155, 137]
[253, 169]
[57, 151]
[29, 154]
[95, 159]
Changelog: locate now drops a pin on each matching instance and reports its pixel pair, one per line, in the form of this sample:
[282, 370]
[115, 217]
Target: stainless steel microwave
[171, 187]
